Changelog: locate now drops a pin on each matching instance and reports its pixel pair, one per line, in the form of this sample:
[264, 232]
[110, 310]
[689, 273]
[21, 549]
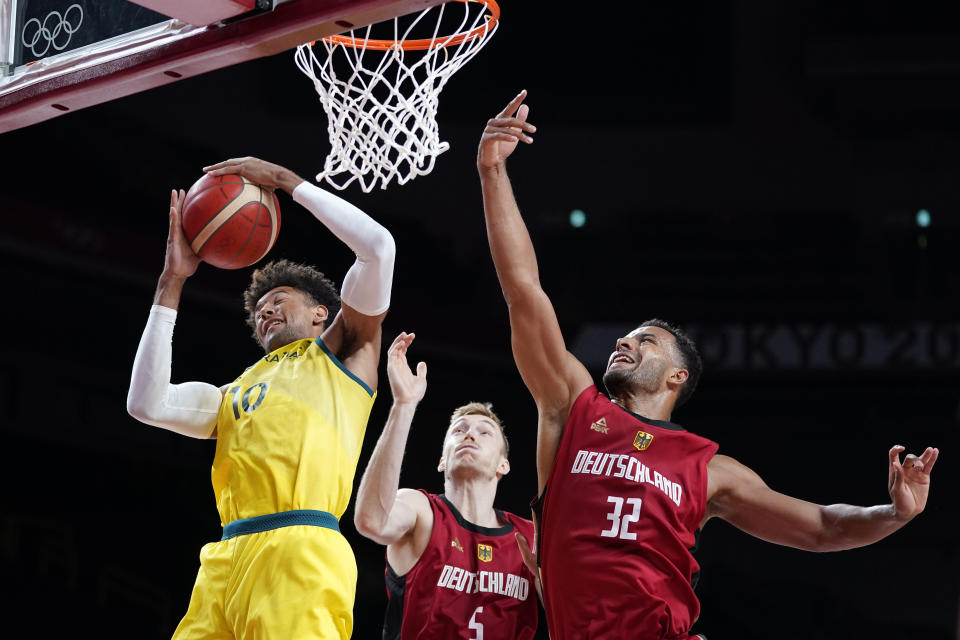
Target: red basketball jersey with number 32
[618, 522]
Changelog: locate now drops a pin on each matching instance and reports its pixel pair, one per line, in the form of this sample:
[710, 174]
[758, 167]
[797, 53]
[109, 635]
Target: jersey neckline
[663, 424]
[475, 528]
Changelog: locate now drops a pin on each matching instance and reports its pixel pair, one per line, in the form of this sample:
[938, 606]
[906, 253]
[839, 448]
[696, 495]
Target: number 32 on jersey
[622, 521]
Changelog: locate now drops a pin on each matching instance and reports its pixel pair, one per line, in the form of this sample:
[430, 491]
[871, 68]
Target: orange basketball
[229, 221]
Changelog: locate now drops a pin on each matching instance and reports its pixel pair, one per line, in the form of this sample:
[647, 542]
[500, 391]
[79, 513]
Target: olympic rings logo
[51, 32]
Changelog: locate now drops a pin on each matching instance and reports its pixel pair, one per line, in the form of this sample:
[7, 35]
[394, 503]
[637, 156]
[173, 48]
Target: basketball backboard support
[203, 13]
[171, 50]
[6, 36]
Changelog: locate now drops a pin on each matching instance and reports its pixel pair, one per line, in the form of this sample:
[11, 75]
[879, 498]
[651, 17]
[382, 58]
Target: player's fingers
[400, 353]
[513, 104]
[523, 112]
[174, 214]
[513, 125]
[228, 161]
[224, 170]
[529, 558]
[516, 123]
[929, 458]
[523, 544]
[176, 200]
[894, 466]
[503, 128]
[421, 369]
[894, 454]
[516, 132]
[912, 463]
[396, 342]
[507, 135]
[234, 165]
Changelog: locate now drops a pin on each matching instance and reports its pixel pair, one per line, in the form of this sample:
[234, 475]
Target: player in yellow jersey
[289, 428]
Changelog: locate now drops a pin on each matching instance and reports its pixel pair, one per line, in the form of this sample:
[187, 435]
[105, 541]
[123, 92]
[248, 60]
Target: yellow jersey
[289, 434]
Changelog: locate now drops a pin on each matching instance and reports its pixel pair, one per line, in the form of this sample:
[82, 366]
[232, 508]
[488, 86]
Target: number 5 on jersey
[244, 400]
[620, 526]
[476, 626]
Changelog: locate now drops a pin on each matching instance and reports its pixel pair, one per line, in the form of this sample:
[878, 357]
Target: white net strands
[381, 107]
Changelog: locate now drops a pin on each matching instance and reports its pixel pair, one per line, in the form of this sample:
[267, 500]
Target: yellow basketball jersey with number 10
[289, 434]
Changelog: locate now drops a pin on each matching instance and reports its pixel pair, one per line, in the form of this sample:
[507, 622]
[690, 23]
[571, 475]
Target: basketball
[229, 221]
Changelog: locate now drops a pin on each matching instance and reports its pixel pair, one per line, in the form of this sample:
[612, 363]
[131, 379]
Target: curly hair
[484, 409]
[689, 356]
[304, 278]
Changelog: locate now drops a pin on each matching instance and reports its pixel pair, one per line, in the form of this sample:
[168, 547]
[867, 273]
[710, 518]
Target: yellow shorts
[291, 583]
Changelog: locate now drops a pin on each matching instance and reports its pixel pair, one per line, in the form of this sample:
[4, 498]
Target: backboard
[59, 56]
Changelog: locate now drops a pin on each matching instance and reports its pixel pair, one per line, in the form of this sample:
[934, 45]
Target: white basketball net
[382, 117]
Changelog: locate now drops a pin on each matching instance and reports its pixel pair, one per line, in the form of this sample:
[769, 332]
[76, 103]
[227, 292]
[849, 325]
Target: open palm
[405, 385]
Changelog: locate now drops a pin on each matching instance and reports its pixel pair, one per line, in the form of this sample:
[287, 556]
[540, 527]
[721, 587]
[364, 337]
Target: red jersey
[470, 583]
[618, 521]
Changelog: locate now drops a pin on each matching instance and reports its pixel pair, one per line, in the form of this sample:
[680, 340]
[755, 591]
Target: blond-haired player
[454, 569]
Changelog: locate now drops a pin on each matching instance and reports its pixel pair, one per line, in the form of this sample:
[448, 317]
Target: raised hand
[180, 260]
[502, 133]
[406, 386]
[909, 481]
[267, 174]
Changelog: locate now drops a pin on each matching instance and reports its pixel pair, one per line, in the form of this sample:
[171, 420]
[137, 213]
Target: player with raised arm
[454, 569]
[623, 492]
[289, 429]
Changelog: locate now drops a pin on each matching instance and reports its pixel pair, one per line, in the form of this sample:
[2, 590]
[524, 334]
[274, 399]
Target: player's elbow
[197, 420]
[383, 246]
[144, 412]
[145, 406]
[521, 290]
[137, 408]
[369, 525]
[376, 525]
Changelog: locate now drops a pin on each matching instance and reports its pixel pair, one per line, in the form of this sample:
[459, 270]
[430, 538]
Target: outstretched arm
[190, 408]
[384, 513]
[354, 335]
[739, 496]
[553, 375]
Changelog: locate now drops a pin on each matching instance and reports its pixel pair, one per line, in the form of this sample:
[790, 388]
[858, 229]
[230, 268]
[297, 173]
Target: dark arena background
[779, 177]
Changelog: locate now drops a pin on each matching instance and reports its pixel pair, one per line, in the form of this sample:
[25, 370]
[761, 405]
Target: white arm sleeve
[190, 408]
[366, 286]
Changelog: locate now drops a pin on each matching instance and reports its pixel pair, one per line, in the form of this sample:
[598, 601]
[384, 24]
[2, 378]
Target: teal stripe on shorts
[270, 521]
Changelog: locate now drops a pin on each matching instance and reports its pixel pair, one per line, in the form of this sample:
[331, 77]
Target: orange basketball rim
[425, 43]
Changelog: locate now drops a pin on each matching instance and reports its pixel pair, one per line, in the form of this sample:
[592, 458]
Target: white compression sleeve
[190, 408]
[366, 286]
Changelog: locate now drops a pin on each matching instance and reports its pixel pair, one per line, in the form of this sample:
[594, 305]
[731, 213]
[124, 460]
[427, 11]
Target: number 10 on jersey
[621, 523]
[244, 400]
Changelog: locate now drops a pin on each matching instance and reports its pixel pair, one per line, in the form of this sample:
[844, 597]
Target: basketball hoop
[382, 115]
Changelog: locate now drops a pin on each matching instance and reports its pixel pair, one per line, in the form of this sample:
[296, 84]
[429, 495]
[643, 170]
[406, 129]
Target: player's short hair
[690, 357]
[484, 409]
[284, 273]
